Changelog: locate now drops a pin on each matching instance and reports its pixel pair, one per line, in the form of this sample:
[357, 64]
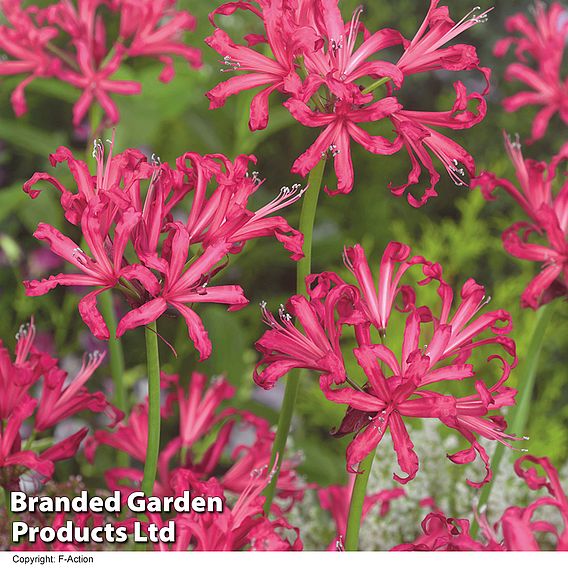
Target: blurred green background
[458, 229]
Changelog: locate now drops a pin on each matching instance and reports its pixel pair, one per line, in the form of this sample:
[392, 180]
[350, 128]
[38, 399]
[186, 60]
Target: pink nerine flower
[284, 347]
[129, 204]
[13, 460]
[73, 43]
[41, 408]
[378, 301]
[341, 125]
[429, 50]
[548, 214]
[272, 74]
[330, 78]
[337, 498]
[519, 528]
[243, 525]
[419, 134]
[397, 388]
[61, 399]
[210, 438]
[539, 49]
[27, 45]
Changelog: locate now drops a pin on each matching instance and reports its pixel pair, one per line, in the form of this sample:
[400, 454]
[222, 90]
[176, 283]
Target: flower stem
[376, 85]
[116, 355]
[153, 447]
[520, 413]
[357, 501]
[303, 269]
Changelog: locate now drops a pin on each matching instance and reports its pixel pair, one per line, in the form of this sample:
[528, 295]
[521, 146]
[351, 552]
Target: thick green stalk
[153, 447]
[378, 83]
[520, 413]
[357, 501]
[303, 269]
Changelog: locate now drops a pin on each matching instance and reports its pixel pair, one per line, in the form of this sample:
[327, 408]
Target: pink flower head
[13, 460]
[277, 73]
[254, 456]
[421, 140]
[428, 49]
[44, 407]
[61, 399]
[378, 301]
[198, 409]
[131, 201]
[86, 55]
[442, 533]
[396, 391]
[284, 347]
[539, 49]
[212, 440]
[130, 438]
[241, 526]
[548, 213]
[18, 376]
[522, 528]
[26, 43]
[340, 126]
[329, 79]
[409, 386]
[96, 83]
[155, 29]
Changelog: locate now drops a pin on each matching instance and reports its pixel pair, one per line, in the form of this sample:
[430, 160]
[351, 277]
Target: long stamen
[285, 197]
[231, 63]
[25, 338]
[91, 361]
[354, 29]
[468, 21]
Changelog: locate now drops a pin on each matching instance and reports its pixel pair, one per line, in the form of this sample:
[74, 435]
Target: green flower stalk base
[304, 268]
[153, 447]
[357, 501]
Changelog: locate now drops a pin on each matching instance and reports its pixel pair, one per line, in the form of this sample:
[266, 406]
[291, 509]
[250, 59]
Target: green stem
[376, 85]
[357, 502]
[116, 356]
[303, 269]
[520, 413]
[153, 447]
[63, 56]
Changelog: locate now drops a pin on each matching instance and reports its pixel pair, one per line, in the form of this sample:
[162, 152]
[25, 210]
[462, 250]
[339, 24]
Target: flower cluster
[232, 465]
[547, 210]
[35, 388]
[539, 49]
[521, 527]
[136, 244]
[330, 77]
[71, 43]
[390, 390]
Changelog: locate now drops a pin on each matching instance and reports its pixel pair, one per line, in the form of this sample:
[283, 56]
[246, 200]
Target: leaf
[229, 344]
[10, 200]
[28, 138]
